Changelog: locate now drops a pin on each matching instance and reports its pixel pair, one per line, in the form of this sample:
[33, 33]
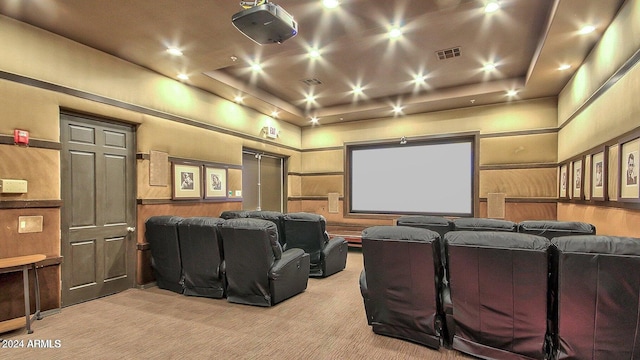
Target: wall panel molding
[24, 80]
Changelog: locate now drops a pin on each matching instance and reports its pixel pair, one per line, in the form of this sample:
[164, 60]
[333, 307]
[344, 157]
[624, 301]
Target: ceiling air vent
[448, 53]
[312, 82]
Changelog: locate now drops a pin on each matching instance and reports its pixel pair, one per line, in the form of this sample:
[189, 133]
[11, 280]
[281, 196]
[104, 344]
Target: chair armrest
[364, 290]
[288, 257]
[334, 244]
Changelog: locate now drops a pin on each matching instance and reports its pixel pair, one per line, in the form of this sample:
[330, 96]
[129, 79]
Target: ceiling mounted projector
[265, 24]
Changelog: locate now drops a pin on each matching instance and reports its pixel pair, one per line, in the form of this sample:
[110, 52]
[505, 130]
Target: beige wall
[590, 122]
[620, 42]
[490, 119]
[512, 136]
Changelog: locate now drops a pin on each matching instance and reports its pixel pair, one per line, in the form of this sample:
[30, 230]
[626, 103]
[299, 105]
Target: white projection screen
[431, 177]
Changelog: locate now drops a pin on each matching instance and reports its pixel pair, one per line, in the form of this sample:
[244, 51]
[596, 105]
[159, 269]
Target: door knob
[131, 229]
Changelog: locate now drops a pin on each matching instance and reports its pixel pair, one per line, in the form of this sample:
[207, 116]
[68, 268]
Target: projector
[265, 24]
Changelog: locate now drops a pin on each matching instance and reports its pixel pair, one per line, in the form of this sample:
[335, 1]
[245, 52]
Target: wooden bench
[16, 264]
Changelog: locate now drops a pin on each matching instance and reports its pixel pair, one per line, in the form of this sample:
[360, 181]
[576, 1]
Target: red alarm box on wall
[21, 137]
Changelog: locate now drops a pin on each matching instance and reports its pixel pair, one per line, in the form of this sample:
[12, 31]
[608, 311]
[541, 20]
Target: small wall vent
[448, 53]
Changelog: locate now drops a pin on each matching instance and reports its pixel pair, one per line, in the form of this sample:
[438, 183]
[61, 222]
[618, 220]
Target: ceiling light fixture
[310, 98]
[275, 113]
[491, 6]
[314, 120]
[419, 79]
[314, 53]
[397, 109]
[330, 4]
[357, 90]
[174, 51]
[564, 67]
[183, 76]
[395, 32]
[489, 67]
[512, 93]
[238, 99]
[255, 67]
[587, 29]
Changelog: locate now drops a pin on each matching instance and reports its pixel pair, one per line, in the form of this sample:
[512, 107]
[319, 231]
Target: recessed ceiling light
[564, 67]
[310, 98]
[174, 51]
[314, 53]
[183, 76]
[512, 93]
[330, 4]
[587, 29]
[256, 67]
[238, 99]
[397, 109]
[489, 67]
[395, 32]
[492, 6]
[419, 79]
[275, 113]
[314, 120]
[357, 90]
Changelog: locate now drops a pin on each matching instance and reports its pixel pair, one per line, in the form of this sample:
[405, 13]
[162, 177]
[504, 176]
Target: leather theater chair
[598, 297]
[400, 282]
[551, 229]
[273, 216]
[483, 224]
[161, 233]
[233, 214]
[308, 232]
[438, 224]
[258, 271]
[498, 286]
[202, 258]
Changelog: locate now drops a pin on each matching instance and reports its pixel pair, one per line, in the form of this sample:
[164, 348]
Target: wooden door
[98, 215]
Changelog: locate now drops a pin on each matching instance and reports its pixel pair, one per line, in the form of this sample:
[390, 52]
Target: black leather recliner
[258, 271]
[438, 224]
[483, 224]
[400, 283]
[308, 232]
[498, 288]
[202, 257]
[233, 214]
[598, 297]
[161, 233]
[551, 229]
[273, 216]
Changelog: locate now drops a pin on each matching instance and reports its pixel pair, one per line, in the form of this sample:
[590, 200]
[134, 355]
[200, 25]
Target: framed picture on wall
[577, 180]
[215, 180]
[563, 176]
[186, 181]
[628, 179]
[599, 167]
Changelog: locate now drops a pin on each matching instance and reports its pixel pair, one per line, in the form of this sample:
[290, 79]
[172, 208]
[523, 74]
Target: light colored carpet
[327, 321]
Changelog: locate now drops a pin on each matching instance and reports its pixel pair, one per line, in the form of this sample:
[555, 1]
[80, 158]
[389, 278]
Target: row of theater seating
[503, 294]
[241, 257]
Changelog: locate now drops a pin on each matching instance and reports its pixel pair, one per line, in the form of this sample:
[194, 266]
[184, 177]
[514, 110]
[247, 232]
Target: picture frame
[187, 181]
[599, 171]
[628, 169]
[215, 182]
[577, 179]
[563, 176]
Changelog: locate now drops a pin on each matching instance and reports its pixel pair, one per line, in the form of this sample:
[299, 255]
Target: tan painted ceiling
[527, 39]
